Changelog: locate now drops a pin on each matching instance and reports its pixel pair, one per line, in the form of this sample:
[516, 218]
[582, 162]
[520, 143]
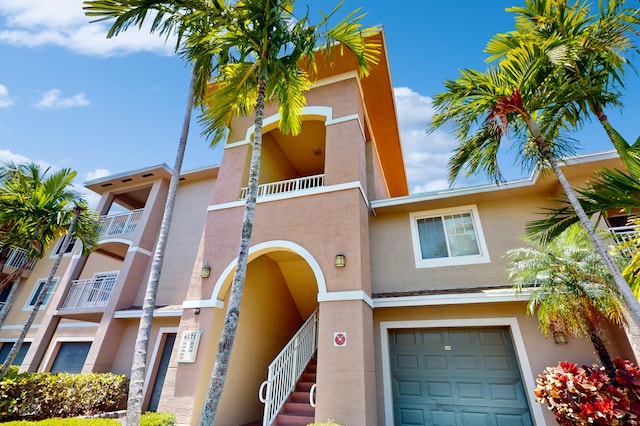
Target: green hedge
[35, 396]
[65, 422]
[157, 419]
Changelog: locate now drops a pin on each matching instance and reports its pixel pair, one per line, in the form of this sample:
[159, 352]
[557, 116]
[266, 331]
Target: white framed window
[31, 301]
[448, 237]
[58, 248]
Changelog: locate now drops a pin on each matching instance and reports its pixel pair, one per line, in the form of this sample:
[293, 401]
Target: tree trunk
[603, 354]
[621, 283]
[139, 365]
[45, 288]
[219, 374]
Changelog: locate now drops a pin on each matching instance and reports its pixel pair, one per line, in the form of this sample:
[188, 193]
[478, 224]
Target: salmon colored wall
[182, 245]
[393, 264]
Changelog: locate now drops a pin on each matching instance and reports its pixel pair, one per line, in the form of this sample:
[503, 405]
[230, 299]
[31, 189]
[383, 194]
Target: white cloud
[425, 155]
[52, 100]
[5, 99]
[63, 23]
[97, 174]
[6, 156]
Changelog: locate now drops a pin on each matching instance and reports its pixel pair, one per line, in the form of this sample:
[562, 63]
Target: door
[163, 366]
[456, 376]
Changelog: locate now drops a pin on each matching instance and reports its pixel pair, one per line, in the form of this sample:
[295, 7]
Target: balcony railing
[284, 186]
[623, 236]
[91, 293]
[17, 257]
[120, 223]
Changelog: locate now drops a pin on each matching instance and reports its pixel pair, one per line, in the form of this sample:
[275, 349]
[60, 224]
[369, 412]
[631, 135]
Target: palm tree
[41, 208]
[590, 49]
[484, 107]
[179, 18]
[266, 55]
[571, 289]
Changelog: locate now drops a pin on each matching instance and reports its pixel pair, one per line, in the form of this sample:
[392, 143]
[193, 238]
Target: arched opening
[280, 293]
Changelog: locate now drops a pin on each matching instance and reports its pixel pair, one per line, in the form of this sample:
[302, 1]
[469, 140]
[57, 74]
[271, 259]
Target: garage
[456, 376]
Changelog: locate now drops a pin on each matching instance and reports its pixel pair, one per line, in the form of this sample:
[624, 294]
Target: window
[58, 248]
[36, 292]
[448, 237]
[6, 348]
[71, 357]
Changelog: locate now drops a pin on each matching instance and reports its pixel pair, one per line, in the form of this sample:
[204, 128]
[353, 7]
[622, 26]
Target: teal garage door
[456, 376]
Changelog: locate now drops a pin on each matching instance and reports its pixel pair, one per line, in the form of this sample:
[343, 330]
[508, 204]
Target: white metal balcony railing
[91, 293]
[623, 236]
[120, 223]
[284, 186]
[286, 368]
[17, 257]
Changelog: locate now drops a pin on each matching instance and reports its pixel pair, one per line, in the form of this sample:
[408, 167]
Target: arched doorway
[280, 293]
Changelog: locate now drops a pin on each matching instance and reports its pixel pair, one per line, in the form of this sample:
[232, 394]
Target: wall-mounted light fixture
[206, 270]
[559, 338]
[196, 311]
[341, 260]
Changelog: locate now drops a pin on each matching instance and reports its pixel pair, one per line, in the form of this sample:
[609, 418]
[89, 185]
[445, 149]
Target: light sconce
[206, 270]
[341, 260]
[559, 338]
[196, 311]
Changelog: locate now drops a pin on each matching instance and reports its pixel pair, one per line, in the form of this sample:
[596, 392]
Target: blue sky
[71, 98]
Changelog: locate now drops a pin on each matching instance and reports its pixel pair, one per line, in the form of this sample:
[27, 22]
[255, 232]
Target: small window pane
[433, 243]
[461, 235]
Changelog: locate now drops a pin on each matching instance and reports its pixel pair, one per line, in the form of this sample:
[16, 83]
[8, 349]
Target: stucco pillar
[346, 388]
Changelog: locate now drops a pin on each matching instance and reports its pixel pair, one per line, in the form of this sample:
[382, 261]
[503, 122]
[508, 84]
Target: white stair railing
[283, 186]
[286, 369]
[623, 235]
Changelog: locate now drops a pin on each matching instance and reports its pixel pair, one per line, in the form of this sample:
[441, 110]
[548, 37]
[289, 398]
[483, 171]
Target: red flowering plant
[586, 396]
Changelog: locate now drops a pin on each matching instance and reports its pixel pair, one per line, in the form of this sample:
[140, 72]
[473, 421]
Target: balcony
[17, 257]
[287, 186]
[89, 294]
[118, 224]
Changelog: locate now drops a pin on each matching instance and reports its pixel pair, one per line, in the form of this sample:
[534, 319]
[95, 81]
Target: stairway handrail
[287, 367]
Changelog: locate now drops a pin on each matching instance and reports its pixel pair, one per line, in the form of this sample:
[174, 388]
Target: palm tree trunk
[621, 283]
[603, 354]
[219, 374]
[45, 288]
[139, 365]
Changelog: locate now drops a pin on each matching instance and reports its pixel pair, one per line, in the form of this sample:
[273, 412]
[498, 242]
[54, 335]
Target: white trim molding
[518, 343]
[338, 296]
[270, 246]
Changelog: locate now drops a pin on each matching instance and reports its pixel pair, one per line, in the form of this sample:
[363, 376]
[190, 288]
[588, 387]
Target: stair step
[307, 377]
[300, 397]
[298, 408]
[288, 420]
[303, 386]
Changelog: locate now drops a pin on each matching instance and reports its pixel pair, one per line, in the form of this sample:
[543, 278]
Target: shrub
[65, 422]
[327, 423]
[157, 419]
[585, 395]
[34, 396]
